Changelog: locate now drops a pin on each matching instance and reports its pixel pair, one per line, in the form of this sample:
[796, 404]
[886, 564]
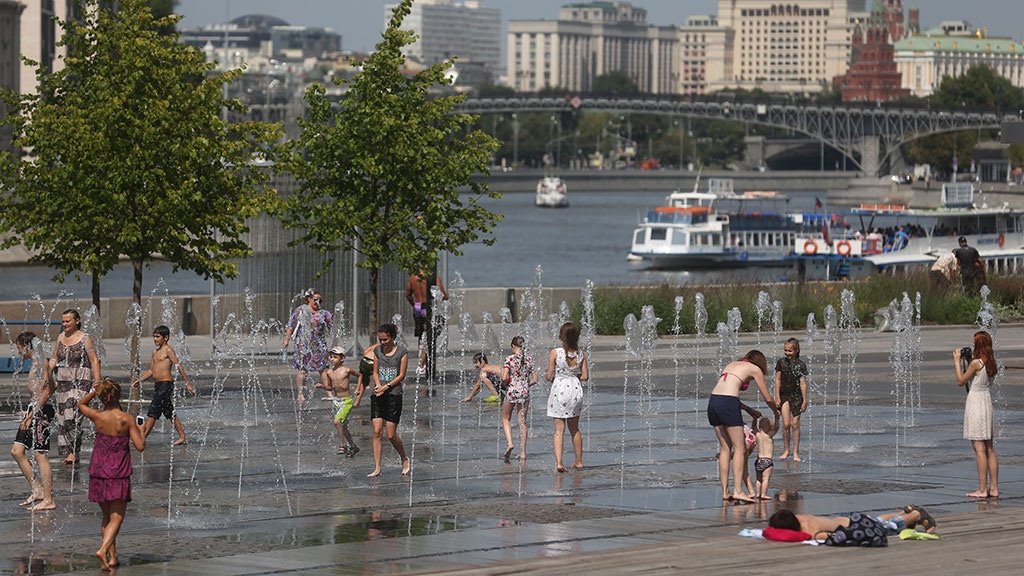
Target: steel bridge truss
[843, 128]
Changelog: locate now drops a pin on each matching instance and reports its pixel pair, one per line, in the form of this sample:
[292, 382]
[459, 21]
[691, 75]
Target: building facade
[873, 75]
[924, 60]
[590, 40]
[783, 47]
[448, 29]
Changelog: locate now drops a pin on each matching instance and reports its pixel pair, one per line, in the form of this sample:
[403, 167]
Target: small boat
[551, 193]
[718, 228]
[881, 246]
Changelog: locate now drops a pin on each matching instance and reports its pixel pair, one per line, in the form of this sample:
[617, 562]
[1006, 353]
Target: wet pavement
[259, 489]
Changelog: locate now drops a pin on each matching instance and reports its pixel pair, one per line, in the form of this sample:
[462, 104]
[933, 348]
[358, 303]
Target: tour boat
[997, 233]
[719, 228]
[551, 193]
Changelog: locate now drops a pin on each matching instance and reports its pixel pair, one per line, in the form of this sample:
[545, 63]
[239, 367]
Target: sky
[360, 22]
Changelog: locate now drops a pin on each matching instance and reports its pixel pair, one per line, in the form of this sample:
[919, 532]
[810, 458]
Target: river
[589, 240]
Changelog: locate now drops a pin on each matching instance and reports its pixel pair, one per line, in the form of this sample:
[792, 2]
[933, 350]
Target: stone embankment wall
[193, 312]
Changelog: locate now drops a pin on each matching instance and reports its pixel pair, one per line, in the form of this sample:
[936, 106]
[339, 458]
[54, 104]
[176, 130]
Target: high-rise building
[591, 39]
[10, 67]
[784, 47]
[39, 36]
[448, 28]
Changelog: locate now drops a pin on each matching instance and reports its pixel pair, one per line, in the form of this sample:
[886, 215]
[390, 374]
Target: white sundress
[566, 397]
[978, 420]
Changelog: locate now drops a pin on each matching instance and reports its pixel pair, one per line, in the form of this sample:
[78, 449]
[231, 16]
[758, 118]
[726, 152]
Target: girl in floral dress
[518, 375]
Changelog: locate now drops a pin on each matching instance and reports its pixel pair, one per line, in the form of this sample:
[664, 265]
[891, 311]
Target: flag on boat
[817, 203]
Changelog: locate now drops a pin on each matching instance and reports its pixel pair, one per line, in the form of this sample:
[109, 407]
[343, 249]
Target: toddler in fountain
[339, 379]
[766, 430]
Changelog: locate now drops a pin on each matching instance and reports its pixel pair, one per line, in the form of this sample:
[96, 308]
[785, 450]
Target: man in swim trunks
[160, 365]
[420, 297]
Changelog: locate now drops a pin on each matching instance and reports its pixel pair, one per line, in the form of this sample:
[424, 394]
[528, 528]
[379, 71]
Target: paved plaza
[258, 489]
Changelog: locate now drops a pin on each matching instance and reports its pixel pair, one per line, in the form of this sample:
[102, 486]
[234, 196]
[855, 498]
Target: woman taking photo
[979, 425]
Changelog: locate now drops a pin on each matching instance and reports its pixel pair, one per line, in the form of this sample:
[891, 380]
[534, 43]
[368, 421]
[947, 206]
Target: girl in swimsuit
[724, 414]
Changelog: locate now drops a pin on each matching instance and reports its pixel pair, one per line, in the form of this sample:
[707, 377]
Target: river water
[589, 240]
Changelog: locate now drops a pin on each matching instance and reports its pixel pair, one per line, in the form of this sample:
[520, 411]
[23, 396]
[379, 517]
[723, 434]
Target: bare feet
[104, 566]
[522, 455]
[993, 493]
[559, 469]
[977, 494]
[406, 467]
[68, 460]
[741, 497]
[43, 505]
[374, 474]
[578, 466]
[30, 500]
[508, 451]
[180, 441]
[796, 457]
[784, 456]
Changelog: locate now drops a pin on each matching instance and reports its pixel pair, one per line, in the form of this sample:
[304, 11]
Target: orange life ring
[843, 248]
[810, 247]
[1002, 240]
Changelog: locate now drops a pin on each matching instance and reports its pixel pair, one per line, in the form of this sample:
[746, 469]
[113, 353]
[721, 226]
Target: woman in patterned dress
[78, 368]
[518, 375]
[310, 326]
[979, 426]
[567, 367]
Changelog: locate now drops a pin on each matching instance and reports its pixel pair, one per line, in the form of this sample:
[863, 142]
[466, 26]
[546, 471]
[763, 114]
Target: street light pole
[515, 141]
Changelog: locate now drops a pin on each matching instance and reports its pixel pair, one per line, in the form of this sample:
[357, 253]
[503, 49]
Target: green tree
[129, 156]
[380, 171]
[979, 87]
[615, 82]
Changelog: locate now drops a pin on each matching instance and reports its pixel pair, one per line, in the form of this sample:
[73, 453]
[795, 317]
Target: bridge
[869, 137]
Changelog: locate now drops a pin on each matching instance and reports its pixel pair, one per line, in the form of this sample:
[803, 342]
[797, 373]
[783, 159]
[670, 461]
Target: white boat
[718, 228]
[997, 234]
[551, 193]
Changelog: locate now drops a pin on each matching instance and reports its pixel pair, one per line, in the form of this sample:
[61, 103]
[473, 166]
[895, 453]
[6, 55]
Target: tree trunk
[96, 292]
[371, 316]
[134, 404]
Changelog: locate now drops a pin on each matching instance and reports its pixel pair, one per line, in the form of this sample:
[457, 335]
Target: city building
[445, 28]
[872, 75]
[261, 35]
[783, 47]
[10, 67]
[592, 39]
[950, 49]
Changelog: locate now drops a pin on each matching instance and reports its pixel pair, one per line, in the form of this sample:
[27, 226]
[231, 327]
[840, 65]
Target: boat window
[755, 239]
[679, 238]
[658, 233]
[716, 239]
[639, 238]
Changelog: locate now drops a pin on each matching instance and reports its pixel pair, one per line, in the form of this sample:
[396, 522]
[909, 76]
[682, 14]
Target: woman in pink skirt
[110, 470]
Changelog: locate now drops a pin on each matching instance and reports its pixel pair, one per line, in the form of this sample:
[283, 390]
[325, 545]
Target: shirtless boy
[339, 377]
[160, 365]
[488, 375]
[34, 431]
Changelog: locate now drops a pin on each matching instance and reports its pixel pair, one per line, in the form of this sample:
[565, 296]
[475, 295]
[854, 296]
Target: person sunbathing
[910, 517]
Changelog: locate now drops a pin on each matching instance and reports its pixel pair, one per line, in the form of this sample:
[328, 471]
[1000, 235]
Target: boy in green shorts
[339, 379]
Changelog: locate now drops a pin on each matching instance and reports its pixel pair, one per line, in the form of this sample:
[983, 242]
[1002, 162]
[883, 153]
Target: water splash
[676, 362]
[905, 360]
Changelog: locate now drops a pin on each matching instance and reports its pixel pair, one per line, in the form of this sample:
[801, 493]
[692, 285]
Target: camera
[965, 360]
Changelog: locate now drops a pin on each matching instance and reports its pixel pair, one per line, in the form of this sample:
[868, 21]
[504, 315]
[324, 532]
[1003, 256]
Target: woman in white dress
[567, 367]
[978, 421]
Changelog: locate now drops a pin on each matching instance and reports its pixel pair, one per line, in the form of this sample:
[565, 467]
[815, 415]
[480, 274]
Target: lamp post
[515, 141]
[679, 125]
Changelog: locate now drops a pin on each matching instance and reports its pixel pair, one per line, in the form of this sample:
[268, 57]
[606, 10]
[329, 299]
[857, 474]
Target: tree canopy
[381, 170]
[979, 87]
[129, 155]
